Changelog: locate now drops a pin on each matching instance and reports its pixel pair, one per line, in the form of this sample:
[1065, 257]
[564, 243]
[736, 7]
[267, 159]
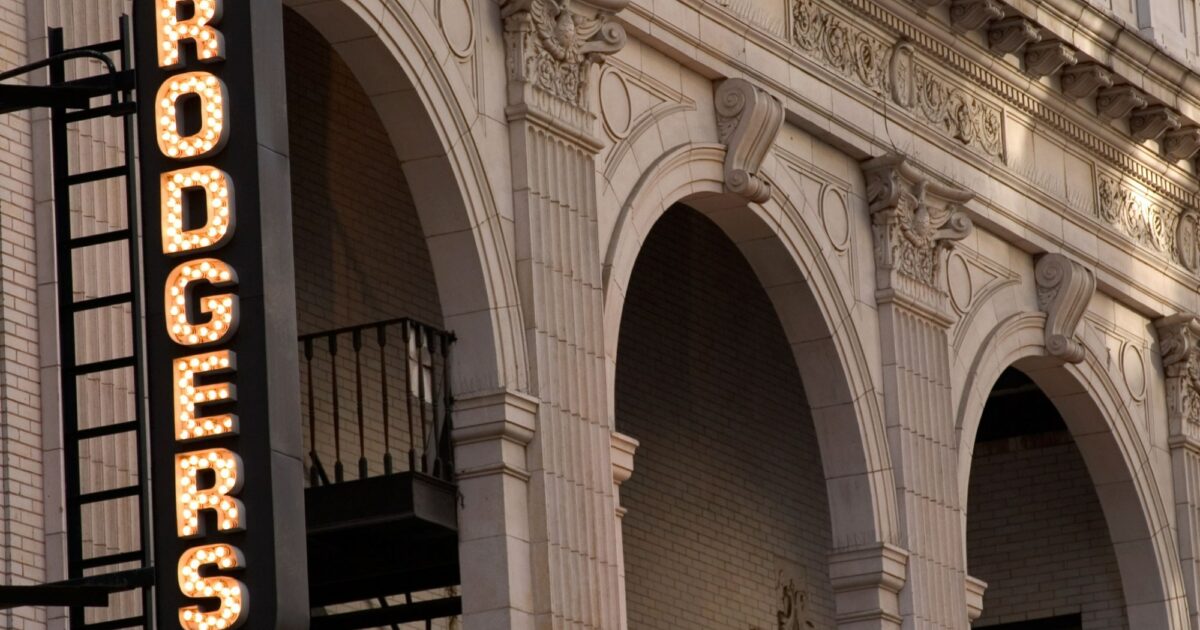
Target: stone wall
[728, 494]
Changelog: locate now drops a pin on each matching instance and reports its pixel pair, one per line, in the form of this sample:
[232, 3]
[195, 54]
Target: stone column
[916, 221]
[553, 47]
[1179, 342]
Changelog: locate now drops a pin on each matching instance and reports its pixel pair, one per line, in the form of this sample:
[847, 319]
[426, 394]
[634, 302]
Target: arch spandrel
[808, 295]
[398, 54]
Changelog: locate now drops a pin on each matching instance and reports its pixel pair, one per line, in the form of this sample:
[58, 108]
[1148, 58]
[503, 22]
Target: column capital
[551, 48]
[916, 222]
[1179, 343]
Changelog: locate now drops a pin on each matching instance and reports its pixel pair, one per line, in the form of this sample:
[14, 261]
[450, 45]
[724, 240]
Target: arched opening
[1036, 530]
[728, 521]
[374, 352]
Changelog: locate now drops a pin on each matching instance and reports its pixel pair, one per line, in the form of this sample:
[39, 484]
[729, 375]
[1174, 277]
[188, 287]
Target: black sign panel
[229, 535]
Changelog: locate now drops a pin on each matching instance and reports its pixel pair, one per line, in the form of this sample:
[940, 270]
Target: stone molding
[553, 44]
[1179, 343]
[866, 585]
[748, 122]
[1064, 288]
[1012, 34]
[975, 590]
[491, 431]
[915, 222]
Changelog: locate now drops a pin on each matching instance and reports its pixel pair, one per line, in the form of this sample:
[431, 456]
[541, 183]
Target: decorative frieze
[916, 222]
[748, 121]
[552, 44]
[1083, 80]
[843, 47]
[1046, 58]
[1064, 288]
[1011, 34]
[968, 15]
[1148, 223]
[1150, 123]
[893, 69]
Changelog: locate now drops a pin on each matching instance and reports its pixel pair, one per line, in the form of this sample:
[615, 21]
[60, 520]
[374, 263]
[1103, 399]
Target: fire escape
[381, 502]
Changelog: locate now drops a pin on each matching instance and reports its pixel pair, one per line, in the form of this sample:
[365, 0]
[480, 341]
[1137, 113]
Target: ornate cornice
[1064, 288]
[748, 121]
[915, 222]
[1178, 337]
[553, 44]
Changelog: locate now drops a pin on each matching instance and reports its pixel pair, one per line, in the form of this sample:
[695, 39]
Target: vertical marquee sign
[221, 364]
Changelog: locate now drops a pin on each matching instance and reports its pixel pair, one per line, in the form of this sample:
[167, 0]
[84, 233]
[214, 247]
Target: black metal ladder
[126, 570]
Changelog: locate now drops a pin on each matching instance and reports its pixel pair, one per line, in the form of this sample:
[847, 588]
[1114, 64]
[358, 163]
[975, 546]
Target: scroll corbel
[1064, 289]
[748, 121]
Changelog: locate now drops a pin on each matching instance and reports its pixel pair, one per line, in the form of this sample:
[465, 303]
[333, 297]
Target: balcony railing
[375, 401]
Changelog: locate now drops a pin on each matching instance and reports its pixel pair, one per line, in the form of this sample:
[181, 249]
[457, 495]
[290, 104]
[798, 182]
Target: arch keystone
[1064, 288]
[748, 121]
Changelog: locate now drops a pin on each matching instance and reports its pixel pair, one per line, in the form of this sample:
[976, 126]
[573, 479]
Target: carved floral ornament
[1177, 339]
[915, 220]
[552, 44]
[1161, 228]
[895, 71]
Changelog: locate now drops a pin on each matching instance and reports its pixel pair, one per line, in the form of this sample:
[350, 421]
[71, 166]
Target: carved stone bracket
[1150, 123]
[1083, 80]
[552, 45]
[1046, 58]
[1179, 342]
[968, 15]
[1116, 102]
[1182, 144]
[915, 222]
[748, 121]
[1064, 288]
[1011, 34]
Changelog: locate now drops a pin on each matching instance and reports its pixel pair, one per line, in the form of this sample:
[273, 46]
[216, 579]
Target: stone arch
[429, 115]
[1116, 458]
[788, 261]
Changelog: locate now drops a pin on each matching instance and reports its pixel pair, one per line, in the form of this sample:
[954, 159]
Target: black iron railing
[375, 396]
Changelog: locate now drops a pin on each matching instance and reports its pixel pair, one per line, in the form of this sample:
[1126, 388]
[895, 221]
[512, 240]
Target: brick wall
[728, 494]
[360, 251]
[22, 525]
[1037, 536]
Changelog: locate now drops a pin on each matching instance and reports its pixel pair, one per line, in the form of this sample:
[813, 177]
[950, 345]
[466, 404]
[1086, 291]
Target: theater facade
[600, 314]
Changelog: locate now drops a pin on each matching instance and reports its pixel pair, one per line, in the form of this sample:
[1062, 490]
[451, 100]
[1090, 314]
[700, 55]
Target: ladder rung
[108, 429]
[120, 109]
[110, 495]
[102, 366]
[117, 624]
[111, 559]
[101, 302]
[95, 176]
[99, 239]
